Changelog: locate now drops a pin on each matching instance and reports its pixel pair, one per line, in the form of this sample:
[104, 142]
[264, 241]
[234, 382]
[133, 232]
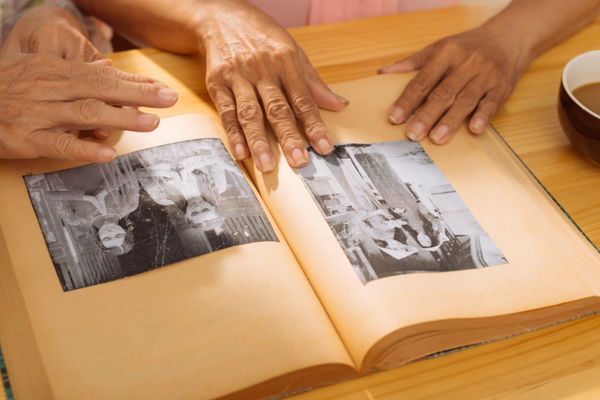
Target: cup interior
[582, 70]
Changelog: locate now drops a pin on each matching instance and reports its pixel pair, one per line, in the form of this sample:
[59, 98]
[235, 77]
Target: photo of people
[145, 210]
[393, 211]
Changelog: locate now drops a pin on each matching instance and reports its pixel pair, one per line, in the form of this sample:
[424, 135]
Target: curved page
[544, 253]
[210, 322]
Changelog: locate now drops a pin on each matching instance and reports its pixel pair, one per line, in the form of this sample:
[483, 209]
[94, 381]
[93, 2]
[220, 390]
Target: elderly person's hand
[45, 101]
[50, 30]
[250, 60]
[476, 71]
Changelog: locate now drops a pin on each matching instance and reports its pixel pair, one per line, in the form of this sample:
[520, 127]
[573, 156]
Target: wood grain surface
[558, 362]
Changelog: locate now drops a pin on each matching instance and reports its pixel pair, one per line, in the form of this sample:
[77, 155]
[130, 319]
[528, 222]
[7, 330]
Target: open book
[367, 259]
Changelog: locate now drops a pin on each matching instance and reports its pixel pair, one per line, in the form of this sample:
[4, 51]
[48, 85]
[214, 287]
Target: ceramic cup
[581, 125]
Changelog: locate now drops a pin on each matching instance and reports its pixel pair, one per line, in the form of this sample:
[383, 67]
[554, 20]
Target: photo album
[174, 269]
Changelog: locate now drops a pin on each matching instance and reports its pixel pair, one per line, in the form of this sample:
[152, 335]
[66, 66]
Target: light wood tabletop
[562, 361]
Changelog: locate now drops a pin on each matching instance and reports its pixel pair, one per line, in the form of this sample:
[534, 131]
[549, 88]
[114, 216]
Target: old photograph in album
[145, 210]
[393, 211]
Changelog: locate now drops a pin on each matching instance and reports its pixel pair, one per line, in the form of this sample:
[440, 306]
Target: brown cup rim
[566, 87]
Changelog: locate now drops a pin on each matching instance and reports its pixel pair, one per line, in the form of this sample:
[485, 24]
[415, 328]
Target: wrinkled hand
[50, 30]
[44, 99]
[250, 58]
[474, 71]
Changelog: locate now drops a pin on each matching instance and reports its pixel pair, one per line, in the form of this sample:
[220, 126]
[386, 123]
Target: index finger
[81, 70]
[306, 111]
[417, 90]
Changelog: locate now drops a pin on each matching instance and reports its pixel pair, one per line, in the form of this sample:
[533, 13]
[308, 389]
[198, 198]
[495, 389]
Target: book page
[544, 267]
[232, 318]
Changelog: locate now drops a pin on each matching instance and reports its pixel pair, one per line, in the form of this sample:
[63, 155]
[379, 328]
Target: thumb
[408, 64]
[67, 146]
[319, 91]
[91, 54]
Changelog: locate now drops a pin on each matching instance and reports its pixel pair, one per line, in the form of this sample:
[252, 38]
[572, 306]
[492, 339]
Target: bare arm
[476, 71]
[250, 59]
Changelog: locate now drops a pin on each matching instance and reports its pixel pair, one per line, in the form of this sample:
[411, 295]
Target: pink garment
[292, 13]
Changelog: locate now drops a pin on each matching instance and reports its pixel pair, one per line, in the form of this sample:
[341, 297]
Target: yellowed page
[545, 257]
[202, 328]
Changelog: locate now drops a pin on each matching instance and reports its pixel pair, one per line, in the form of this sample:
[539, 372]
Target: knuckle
[214, 89]
[145, 90]
[278, 110]
[491, 105]
[407, 102]
[255, 139]
[223, 102]
[233, 132]
[285, 52]
[427, 118]
[103, 85]
[227, 111]
[248, 110]
[466, 101]
[288, 138]
[443, 94]
[44, 59]
[451, 121]
[303, 104]
[90, 111]
[313, 128]
[488, 107]
[445, 45]
[125, 75]
[65, 146]
[421, 84]
[214, 76]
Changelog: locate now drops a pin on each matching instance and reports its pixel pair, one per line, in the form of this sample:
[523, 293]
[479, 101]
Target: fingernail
[107, 153]
[299, 158]
[240, 151]
[159, 83]
[341, 99]
[414, 131]
[477, 126]
[324, 146]
[148, 120]
[104, 61]
[397, 115]
[102, 132]
[167, 95]
[384, 68]
[266, 162]
[439, 133]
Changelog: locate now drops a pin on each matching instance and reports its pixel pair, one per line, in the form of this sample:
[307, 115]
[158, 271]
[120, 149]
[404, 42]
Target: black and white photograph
[145, 210]
[393, 211]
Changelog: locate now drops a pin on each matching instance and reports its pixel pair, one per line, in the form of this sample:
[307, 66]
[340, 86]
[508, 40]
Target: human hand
[251, 58]
[51, 30]
[473, 71]
[46, 100]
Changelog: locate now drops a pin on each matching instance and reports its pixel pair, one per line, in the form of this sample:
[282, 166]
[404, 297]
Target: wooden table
[557, 362]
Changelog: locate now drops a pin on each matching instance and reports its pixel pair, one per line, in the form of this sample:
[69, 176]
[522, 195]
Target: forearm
[162, 24]
[538, 25]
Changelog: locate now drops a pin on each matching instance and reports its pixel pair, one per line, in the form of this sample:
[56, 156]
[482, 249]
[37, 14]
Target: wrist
[510, 40]
[205, 22]
[214, 18]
